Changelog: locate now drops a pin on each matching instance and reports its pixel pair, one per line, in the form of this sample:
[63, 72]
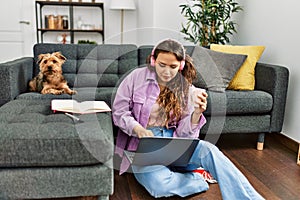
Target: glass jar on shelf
[51, 22]
[59, 24]
[65, 22]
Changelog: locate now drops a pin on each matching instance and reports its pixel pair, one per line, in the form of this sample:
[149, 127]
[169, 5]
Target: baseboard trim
[298, 161]
[289, 143]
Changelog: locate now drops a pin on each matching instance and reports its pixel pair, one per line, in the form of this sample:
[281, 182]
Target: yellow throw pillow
[244, 78]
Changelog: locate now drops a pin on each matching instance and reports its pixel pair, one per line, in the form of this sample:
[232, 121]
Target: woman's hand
[141, 131]
[199, 100]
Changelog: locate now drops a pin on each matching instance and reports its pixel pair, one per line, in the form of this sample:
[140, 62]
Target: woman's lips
[166, 77]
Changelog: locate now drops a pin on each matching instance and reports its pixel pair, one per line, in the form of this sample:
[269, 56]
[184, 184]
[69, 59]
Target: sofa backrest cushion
[92, 65]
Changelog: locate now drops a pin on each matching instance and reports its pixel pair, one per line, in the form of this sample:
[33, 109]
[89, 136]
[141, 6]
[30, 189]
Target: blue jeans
[161, 181]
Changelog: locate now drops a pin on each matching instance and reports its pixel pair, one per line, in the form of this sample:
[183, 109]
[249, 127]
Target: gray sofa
[47, 155]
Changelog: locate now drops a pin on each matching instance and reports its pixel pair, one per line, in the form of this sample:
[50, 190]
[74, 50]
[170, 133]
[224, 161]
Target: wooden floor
[273, 171]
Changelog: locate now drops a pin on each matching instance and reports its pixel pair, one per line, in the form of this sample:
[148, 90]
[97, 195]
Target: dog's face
[51, 63]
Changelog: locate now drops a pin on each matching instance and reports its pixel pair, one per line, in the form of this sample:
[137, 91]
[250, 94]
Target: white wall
[159, 20]
[113, 24]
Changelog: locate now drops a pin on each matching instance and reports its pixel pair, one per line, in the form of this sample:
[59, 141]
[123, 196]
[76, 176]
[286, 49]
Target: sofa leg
[104, 197]
[260, 141]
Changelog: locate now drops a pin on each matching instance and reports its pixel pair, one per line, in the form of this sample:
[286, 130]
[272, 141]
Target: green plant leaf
[208, 21]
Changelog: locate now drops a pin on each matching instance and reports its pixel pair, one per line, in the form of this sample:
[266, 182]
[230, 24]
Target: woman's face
[167, 67]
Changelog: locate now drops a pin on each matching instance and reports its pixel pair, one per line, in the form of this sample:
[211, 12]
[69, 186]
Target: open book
[72, 106]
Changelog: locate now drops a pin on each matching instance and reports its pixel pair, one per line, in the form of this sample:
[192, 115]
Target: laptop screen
[167, 151]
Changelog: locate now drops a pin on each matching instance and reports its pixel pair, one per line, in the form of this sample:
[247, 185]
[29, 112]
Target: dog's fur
[50, 79]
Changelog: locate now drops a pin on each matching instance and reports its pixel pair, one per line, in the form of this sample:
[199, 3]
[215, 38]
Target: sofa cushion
[31, 135]
[239, 102]
[57, 183]
[83, 94]
[244, 79]
[215, 69]
[235, 124]
[92, 65]
[39, 96]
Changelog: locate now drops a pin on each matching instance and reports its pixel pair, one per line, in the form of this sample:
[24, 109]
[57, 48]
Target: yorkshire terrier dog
[50, 79]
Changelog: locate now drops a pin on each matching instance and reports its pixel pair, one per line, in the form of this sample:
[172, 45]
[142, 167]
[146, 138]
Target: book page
[70, 105]
[92, 106]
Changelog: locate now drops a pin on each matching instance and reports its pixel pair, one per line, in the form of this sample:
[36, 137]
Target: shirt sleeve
[121, 109]
[185, 128]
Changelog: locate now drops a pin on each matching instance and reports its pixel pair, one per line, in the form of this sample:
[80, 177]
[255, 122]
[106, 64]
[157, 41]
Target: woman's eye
[161, 65]
[164, 65]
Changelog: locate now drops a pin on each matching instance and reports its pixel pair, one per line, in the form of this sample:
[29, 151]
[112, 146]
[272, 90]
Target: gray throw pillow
[215, 69]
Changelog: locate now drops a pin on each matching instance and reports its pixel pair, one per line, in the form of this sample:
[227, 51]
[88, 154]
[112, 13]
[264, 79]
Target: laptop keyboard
[130, 155]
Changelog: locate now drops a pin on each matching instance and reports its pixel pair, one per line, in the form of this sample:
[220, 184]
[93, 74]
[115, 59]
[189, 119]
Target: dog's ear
[59, 56]
[40, 58]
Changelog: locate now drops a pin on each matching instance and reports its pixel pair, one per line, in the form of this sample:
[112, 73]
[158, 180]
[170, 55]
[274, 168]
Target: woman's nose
[167, 70]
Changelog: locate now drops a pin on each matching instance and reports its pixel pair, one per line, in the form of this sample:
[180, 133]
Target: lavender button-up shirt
[132, 106]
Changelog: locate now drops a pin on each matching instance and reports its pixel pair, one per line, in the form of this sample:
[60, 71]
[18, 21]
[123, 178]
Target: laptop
[167, 151]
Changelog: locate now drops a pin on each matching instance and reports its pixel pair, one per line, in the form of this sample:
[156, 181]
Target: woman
[154, 101]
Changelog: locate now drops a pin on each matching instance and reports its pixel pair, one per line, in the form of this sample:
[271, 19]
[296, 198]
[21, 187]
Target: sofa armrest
[273, 79]
[14, 78]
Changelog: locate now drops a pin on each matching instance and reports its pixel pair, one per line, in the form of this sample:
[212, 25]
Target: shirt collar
[151, 75]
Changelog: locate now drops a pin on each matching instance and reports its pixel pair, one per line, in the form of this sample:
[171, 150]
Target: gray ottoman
[47, 155]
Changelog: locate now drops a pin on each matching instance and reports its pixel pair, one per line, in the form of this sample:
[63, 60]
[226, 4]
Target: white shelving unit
[92, 26]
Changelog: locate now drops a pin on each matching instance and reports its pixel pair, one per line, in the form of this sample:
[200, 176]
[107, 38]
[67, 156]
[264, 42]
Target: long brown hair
[173, 98]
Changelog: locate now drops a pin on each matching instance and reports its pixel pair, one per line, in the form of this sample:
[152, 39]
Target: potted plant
[86, 42]
[209, 21]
